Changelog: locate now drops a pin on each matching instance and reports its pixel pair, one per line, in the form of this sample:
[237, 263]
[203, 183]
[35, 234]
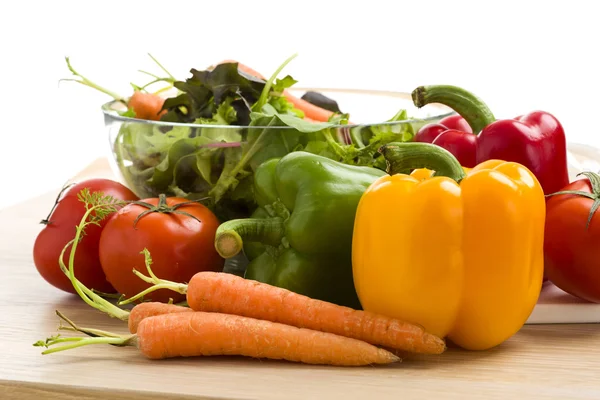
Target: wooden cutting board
[541, 361]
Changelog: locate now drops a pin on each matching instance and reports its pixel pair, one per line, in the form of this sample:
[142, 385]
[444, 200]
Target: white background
[518, 56]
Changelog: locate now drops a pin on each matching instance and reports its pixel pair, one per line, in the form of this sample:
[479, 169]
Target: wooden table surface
[541, 361]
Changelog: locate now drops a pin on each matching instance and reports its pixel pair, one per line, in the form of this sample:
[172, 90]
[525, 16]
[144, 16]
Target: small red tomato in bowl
[572, 238]
[178, 233]
[59, 230]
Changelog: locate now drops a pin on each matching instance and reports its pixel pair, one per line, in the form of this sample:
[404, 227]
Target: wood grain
[541, 361]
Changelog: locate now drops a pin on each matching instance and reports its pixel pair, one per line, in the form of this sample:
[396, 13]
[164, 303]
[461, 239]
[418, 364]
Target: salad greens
[246, 121]
[205, 91]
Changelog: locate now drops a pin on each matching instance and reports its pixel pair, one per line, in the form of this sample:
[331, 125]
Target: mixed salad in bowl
[203, 137]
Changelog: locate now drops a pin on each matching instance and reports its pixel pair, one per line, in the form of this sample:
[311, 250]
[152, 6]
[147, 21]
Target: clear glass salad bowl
[215, 163]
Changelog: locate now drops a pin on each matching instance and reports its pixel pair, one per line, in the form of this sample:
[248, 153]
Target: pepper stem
[230, 236]
[470, 107]
[401, 157]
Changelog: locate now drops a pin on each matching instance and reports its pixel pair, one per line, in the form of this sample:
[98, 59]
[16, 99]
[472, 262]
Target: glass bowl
[214, 163]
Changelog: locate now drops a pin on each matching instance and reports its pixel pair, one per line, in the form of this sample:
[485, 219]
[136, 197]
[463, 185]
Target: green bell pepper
[300, 237]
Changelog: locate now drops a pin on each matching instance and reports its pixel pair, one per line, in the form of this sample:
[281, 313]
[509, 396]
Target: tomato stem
[575, 192]
[594, 179]
[46, 221]
[163, 207]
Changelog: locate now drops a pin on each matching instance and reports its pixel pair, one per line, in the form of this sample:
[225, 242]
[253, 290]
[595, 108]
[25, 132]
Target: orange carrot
[235, 295]
[311, 111]
[213, 334]
[230, 294]
[146, 105]
[151, 309]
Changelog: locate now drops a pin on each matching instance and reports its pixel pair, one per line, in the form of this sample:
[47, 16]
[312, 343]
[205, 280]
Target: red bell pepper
[429, 132]
[536, 140]
[454, 134]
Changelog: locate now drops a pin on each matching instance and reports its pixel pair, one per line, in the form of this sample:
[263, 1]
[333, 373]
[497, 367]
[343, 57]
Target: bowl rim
[111, 114]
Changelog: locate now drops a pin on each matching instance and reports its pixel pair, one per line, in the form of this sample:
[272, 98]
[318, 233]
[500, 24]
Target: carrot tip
[434, 342]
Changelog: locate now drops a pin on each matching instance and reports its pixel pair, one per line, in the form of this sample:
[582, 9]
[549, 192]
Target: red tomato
[572, 249]
[60, 229]
[180, 245]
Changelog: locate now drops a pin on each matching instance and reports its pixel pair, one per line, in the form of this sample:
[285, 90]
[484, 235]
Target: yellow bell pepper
[458, 252]
[423, 173]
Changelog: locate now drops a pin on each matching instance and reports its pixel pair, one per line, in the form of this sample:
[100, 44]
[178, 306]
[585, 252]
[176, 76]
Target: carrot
[151, 309]
[213, 334]
[227, 293]
[146, 105]
[311, 111]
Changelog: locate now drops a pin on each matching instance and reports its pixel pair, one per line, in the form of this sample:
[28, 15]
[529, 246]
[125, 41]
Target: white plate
[581, 157]
[554, 305]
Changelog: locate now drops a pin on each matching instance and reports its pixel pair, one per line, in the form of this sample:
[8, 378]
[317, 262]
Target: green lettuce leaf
[281, 84]
[226, 79]
[206, 90]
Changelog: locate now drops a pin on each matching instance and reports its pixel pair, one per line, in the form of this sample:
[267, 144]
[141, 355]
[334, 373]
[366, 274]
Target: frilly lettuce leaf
[203, 93]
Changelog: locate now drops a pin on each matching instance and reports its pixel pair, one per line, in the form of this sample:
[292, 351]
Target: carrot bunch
[230, 315]
[230, 294]
[163, 331]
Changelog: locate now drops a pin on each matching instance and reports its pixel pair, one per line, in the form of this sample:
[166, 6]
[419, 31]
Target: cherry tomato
[60, 229]
[179, 235]
[571, 246]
